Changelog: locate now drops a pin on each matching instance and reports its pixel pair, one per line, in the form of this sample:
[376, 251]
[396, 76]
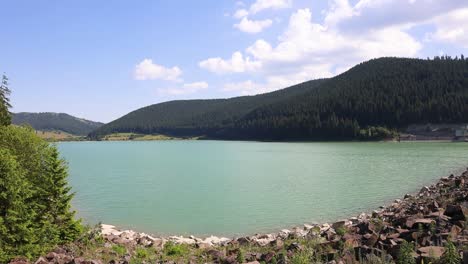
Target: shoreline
[427, 226]
[110, 231]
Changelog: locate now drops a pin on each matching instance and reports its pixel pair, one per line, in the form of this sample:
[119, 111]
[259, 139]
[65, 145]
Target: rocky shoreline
[427, 220]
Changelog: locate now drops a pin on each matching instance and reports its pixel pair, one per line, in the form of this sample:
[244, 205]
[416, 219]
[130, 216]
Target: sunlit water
[235, 188]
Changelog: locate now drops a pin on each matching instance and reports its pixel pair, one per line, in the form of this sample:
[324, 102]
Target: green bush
[119, 249]
[376, 133]
[451, 255]
[240, 256]
[405, 255]
[171, 249]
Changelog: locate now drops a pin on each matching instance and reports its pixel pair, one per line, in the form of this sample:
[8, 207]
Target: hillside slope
[387, 92]
[56, 122]
[196, 117]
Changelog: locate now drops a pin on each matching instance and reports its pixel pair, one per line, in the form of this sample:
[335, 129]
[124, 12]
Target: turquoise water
[237, 188]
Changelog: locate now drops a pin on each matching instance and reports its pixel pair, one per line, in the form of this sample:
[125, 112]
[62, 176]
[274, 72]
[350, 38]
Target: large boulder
[456, 212]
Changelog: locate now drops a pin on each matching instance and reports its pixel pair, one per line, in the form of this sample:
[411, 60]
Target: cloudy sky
[101, 59]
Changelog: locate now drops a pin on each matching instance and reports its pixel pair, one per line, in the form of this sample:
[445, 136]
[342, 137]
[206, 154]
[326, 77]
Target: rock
[203, 245]
[456, 212]
[408, 196]
[284, 233]
[295, 246]
[158, 243]
[215, 254]
[455, 231]
[78, 261]
[415, 222]
[371, 239]
[424, 190]
[243, 241]
[277, 244]
[51, 255]
[41, 260]
[339, 224]
[145, 241]
[459, 182]
[182, 240]
[19, 261]
[268, 256]
[431, 251]
[351, 243]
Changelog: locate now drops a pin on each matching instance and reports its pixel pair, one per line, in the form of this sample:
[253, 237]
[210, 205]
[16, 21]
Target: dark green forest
[56, 121]
[369, 101]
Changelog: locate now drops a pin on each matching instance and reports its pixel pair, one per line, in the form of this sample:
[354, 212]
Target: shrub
[240, 256]
[119, 249]
[405, 256]
[172, 249]
[451, 255]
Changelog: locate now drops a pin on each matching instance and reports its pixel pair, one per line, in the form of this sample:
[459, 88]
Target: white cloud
[236, 64]
[147, 70]
[305, 45]
[253, 26]
[196, 85]
[256, 26]
[348, 34]
[187, 88]
[452, 28]
[260, 5]
[373, 14]
[241, 13]
[275, 82]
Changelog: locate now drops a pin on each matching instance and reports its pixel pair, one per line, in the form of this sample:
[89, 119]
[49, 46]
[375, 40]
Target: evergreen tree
[59, 196]
[5, 116]
[17, 234]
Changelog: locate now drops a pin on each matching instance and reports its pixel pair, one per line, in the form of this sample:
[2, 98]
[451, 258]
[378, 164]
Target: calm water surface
[234, 188]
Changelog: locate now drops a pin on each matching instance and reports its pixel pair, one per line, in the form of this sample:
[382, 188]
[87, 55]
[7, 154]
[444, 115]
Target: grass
[138, 137]
[57, 135]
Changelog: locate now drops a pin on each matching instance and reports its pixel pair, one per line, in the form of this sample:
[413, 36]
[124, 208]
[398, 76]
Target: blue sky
[99, 60]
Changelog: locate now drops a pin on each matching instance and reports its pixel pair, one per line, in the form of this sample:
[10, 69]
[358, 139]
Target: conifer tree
[5, 117]
[17, 236]
[59, 196]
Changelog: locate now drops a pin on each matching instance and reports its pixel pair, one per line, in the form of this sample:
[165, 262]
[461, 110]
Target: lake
[235, 188]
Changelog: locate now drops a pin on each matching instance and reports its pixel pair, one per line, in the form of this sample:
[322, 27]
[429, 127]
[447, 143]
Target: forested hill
[56, 122]
[197, 117]
[382, 93]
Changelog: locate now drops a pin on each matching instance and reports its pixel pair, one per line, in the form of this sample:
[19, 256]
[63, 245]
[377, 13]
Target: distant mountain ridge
[48, 121]
[367, 100]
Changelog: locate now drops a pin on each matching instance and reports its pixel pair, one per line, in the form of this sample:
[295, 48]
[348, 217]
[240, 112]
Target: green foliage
[35, 212]
[5, 116]
[119, 249]
[56, 122]
[451, 255]
[341, 231]
[172, 249]
[302, 257]
[370, 101]
[240, 256]
[405, 256]
[274, 260]
[376, 133]
[141, 253]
